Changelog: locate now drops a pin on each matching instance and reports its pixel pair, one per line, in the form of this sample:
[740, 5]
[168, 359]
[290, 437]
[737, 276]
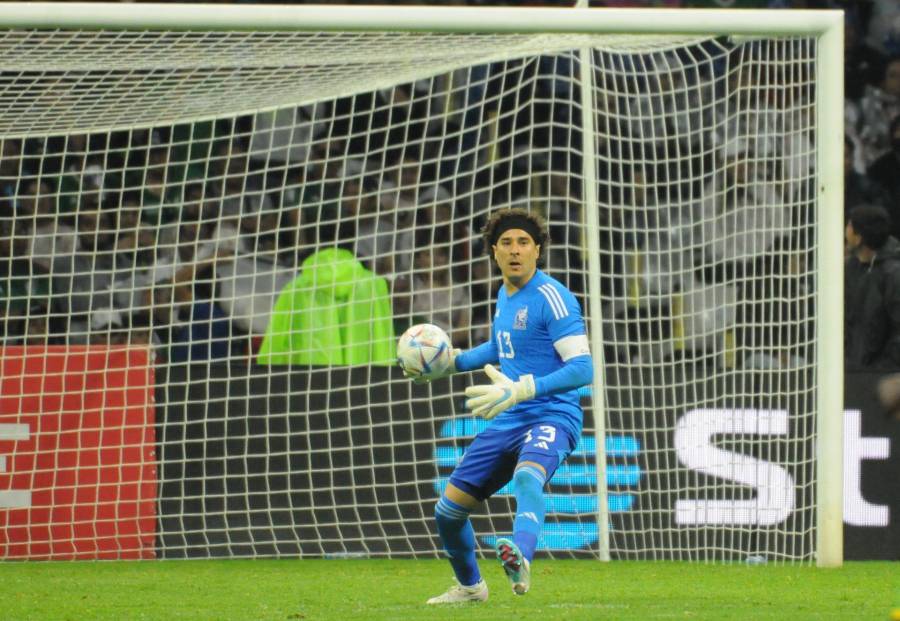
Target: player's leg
[528, 481]
[515, 554]
[455, 530]
[543, 449]
[474, 479]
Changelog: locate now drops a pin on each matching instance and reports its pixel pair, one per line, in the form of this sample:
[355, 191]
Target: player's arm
[477, 357]
[577, 370]
[462, 361]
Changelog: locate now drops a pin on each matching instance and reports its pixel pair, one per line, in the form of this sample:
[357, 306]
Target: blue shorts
[490, 461]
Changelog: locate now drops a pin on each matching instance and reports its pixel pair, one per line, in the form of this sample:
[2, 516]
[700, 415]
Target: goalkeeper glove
[488, 400]
[424, 378]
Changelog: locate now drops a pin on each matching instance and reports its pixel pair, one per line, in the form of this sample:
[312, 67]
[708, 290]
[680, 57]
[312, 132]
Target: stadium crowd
[184, 236]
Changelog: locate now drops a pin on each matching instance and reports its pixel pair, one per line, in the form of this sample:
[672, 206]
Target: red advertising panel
[77, 457]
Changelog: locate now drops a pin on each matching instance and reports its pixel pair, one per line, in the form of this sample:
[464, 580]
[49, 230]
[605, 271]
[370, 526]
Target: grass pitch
[345, 590]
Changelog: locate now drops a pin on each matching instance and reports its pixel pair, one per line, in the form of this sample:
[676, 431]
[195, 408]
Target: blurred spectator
[384, 236]
[241, 188]
[436, 299]
[742, 211]
[282, 137]
[774, 324]
[708, 312]
[37, 328]
[884, 27]
[291, 241]
[858, 188]
[24, 290]
[260, 229]
[36, 199]
[481, 292]
[861, 60]
[83, 278]
[247, 276]
[162, 312]
[438, 221]
[135, 250]
[107, 328]
[334, 313]
[564, 217]
[400, 187]
[868, 122]
[10, 166]
[79, 259]
[174, 294]
[205, 335]
[159, 195]
[885, 173]
[128, 215]
[247, 290]
[83, 178]
[871, 291]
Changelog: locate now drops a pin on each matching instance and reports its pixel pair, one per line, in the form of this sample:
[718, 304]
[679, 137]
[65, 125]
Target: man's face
[38, 200]
[891, 82]
[517, 255]
[852, 239]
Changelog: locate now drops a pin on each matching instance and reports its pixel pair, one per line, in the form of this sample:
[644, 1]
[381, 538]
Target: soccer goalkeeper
[540, 343]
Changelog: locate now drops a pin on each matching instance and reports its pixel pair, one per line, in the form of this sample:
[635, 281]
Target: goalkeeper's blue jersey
[526, 326]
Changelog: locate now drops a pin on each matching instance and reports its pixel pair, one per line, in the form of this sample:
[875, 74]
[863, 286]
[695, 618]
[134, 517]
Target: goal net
[211, 238]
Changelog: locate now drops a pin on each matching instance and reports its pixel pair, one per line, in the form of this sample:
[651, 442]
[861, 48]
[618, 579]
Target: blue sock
[529, 486]
[458, 538]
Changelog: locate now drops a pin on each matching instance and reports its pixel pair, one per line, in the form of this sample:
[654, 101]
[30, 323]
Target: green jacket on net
[336, 312]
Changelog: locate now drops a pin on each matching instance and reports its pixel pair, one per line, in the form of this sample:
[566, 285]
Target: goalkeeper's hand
[488, 400]
[424, 378]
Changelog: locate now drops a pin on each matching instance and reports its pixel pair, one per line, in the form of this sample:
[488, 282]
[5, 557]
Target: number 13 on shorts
[545, 437]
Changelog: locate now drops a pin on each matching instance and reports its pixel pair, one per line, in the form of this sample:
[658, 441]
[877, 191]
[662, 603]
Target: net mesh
[210, 241]
[55, 81]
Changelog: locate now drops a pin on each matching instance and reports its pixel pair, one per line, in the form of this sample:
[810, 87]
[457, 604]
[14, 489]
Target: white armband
[570, 347]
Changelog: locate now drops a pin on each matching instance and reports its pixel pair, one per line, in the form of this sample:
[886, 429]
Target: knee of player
[444, 509]
[529, 476]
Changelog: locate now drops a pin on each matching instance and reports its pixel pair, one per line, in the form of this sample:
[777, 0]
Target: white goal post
[689, 164]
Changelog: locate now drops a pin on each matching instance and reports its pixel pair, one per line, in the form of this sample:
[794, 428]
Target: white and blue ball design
[424, 349]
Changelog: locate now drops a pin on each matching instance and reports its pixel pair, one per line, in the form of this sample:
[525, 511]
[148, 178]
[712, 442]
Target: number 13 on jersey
[504, 345]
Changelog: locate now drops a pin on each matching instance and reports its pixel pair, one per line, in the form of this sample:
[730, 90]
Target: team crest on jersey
[521, 320]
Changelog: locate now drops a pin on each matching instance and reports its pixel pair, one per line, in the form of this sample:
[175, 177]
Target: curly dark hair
[872, 223]
[515, 217]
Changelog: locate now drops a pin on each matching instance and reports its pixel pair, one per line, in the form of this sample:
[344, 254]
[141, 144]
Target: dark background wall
[257, 461]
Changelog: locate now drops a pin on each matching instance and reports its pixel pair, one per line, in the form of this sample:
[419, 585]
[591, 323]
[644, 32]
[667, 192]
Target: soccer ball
[424, 349]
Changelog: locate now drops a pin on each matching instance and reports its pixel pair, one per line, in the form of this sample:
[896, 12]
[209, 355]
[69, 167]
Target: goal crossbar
[418, 19]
